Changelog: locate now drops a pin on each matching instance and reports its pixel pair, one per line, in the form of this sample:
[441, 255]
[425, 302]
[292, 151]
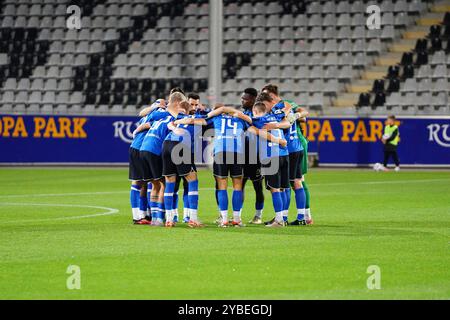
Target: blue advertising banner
[29, 139]
[356, 141]
[65, 139]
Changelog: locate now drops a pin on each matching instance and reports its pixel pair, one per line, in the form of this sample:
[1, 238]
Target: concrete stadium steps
[416, 32]
[392, 56]
[430, 19]
[374, 72]
[346, 100]
[404, 45]
[389, 59]
[441, 6]
[360, 86]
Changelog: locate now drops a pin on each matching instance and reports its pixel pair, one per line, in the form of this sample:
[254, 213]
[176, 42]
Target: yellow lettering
[360, 132]
[326, 134]
[376, 130]
[64, 128]
[51, 129]
[20, 129]
[78, 131]
[314, 128]
[8, 124]
[348, 127]
[39, 124]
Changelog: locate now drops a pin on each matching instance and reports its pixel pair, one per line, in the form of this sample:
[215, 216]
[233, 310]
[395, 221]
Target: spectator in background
[390, 140]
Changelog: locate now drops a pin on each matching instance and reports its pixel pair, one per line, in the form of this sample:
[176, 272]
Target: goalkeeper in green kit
[300, 116]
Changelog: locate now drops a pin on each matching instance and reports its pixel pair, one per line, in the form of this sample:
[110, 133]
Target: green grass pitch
[397, 221]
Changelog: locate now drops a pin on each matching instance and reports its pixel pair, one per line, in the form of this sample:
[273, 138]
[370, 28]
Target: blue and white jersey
[248, 112]
[293, 142]
[139, 137]
[229, 133]
[268, 149]
[291, 136]
[152, 116]
[154, 138]
[277, 111]
[190, 131]
[202, 113]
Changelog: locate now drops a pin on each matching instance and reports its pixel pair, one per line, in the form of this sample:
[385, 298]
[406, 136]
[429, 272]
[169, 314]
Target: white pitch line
[109, 211]
[60, 194]
[73, 194]
[378, 182]
[212, 189]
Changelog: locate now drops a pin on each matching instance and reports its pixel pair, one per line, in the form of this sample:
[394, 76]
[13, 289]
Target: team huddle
[262, 142]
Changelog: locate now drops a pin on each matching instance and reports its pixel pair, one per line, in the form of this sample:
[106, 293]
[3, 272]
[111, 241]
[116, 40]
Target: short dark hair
[251, 91]
[194, 96]
[392, 117]
[177, 89]
[271, 88]
[263, 97]
[260, 107]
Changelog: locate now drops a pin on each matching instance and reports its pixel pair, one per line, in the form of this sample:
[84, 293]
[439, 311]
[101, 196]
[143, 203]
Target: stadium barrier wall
[104, 140]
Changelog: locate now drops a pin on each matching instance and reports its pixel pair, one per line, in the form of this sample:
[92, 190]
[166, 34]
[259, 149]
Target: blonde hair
[177, 97]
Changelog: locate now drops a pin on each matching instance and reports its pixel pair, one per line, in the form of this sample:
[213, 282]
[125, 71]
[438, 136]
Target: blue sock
[300, 201]
[288, 199]
[186, 203]
[284, 201]
[155, 210]
[175, 206]
[175, 200]
[217, 197]
[259, 206]
[161, 211]
[135, 195]
[222, 198]
[237, 200]
[193, 195]
[143, 203]
[283, 198]
[287, 203]
[135, 199]
[277, 205]
[149, 190]
[168, 195]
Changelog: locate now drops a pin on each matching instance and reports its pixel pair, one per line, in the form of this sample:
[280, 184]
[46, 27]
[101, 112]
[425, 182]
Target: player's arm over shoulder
[160, 103]
[242, 116]
[264, 134]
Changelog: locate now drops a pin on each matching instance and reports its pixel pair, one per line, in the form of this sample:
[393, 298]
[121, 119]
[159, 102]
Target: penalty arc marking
[106, 211]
